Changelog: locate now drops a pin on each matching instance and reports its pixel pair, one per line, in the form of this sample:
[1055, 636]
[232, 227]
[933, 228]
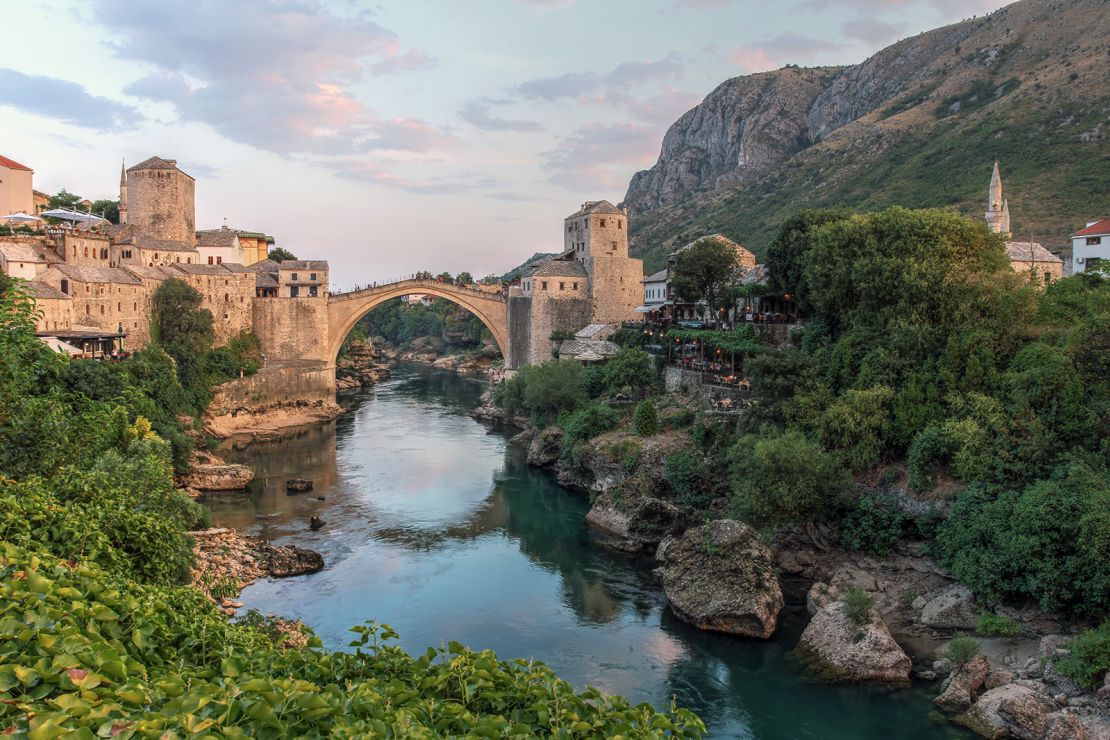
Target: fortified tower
[998, 209]
[597, 237]
[161, 200]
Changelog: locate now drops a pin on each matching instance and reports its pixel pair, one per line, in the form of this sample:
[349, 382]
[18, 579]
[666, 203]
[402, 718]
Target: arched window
[86, 251]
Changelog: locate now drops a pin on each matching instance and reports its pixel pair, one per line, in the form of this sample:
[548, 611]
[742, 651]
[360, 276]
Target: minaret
[122, 192]
[998, 209]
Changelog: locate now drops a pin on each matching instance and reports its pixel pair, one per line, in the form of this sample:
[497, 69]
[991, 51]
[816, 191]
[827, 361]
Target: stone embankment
[723, 578]
[430, 351]
[209, 473]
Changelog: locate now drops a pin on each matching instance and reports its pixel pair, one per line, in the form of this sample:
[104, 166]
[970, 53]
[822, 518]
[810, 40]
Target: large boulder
[218, 477]
[960, 687]
[837, 648]
[721, 578]
[984, 717]
[951, 608]
[289, 560]
[546, 447]
[631, 518]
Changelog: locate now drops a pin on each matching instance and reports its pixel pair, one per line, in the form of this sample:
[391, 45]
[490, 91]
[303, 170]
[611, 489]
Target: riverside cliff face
[1026, 84]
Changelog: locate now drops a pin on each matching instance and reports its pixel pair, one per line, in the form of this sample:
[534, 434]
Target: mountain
[918, 124]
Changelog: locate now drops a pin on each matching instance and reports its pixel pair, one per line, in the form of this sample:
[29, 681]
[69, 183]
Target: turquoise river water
[437, 527]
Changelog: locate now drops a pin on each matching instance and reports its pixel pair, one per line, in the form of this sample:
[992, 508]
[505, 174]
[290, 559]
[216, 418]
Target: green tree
[704, 271]
[786, 253]
[646, 421]
[630, 369]
[280, 254]
[780, 479]
[180, 321]
[109, 209]
[464, 278]
[63, 199]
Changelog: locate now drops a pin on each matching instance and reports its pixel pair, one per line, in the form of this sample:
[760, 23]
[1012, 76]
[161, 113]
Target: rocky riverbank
[362, 365]
[435, 352]
[721, 577]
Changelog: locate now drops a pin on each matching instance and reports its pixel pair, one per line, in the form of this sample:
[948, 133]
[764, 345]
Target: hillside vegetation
[919, 124]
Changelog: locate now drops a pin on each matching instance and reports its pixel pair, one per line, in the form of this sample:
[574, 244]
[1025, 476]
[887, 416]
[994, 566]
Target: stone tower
[597, 237]
[122, 192]
[161, 200]
[998, 208]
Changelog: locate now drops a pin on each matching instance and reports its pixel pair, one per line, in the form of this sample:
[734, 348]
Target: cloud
[872, 30]
[582, 160]
[583, 85]
[275, 75]
[377, 173]
[477, 113]
[786, 48]
[65, 101]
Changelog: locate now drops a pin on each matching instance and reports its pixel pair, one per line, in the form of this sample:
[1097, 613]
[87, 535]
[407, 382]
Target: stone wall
[87, 249]
[275, 386]
[161, 202]
[552, 313]
[229, 296]
[54, 314]
[292, 328]
[681, 380]
[520, 331]
[615, 288]
[108, 306]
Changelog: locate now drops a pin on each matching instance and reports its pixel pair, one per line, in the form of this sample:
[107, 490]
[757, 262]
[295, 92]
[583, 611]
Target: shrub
[588, 422]
[1089, 659]
[678, 418]
[645, 421]
[961, 649]
[784, 479]
[687, 474]
[857, 426]
[857, 606]
[1049, 541]
[990, 623]
[630, 369]
[874, 525]
[930, 449]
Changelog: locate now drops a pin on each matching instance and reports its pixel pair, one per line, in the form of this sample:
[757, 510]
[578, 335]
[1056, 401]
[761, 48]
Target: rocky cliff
[919, 123]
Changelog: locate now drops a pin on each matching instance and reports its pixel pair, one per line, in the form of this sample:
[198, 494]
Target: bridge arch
[345, 309]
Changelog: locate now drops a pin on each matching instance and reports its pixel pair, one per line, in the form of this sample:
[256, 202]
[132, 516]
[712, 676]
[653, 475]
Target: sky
[391, 137]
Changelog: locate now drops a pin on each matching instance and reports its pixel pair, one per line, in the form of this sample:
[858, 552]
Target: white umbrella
[21, 217]
[67, 215]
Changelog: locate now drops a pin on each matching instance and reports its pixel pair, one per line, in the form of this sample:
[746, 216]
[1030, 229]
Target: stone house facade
[15, 187]
[107, 298]
[55, 308]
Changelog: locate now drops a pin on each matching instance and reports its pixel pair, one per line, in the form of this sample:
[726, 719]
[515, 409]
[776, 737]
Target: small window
[312, 276]
[219, 260]
[211, 260]
[1093, 241]
[312, 291]
[294, 291]
[177, 259]
[294, 276]
[574, 286]
[562, 285]
[1047, 278]
[227, 299]
[65, 286]
[86, 251]
[119, 306]
[189, 260]
[603, 223]
[618, 223]
[543, 285]
[101, 309]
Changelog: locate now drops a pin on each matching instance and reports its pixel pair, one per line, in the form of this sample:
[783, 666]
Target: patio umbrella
[21, 217]
[67, 215]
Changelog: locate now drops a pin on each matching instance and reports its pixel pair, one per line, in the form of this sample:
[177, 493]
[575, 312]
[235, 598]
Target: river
[437, 527]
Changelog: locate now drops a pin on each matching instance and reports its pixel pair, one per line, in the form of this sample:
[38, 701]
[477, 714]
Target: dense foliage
[97, 640]
[705, 272]
[400, 323]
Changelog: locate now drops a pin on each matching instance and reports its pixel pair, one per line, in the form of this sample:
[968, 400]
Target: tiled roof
[571, 348]
[1098, 228]
[303, 265]
[559, 268]
[657, 277]
[121, 232]
[596, 206]
[1029, 252]
[21, 252]
[147, 272]
[11, 164]
[266, 279]
[42, 290]
[198, 269]
[263, 266]
[145, 241]
[154, 163]
[217, 238]
[236, 267]
[88, 274]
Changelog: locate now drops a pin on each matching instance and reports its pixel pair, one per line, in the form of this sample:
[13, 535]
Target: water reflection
[439, 528]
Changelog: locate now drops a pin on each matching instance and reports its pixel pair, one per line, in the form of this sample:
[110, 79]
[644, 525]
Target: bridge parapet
[416, 286]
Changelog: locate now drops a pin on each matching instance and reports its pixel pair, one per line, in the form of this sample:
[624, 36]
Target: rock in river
[837, 648]
[218, 477]
[298, 485]
[290, 560]
[631, 518]
[721, 578]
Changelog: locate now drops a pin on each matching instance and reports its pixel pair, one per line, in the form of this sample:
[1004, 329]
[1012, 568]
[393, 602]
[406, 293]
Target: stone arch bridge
[345, 309]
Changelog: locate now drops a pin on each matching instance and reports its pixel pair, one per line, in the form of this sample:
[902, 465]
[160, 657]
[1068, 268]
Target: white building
[23, 260]
[217, 246]
[655, 291]
[1090, 244]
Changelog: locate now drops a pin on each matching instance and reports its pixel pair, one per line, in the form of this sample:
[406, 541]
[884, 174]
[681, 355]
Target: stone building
[161, 200]
[15, 188]
[217, 246]
[998, 208]
[1028, 257]
[55, 308]
[289, 316]
[108, 298]
[227, 291]
[596, 236]
[25, 259]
